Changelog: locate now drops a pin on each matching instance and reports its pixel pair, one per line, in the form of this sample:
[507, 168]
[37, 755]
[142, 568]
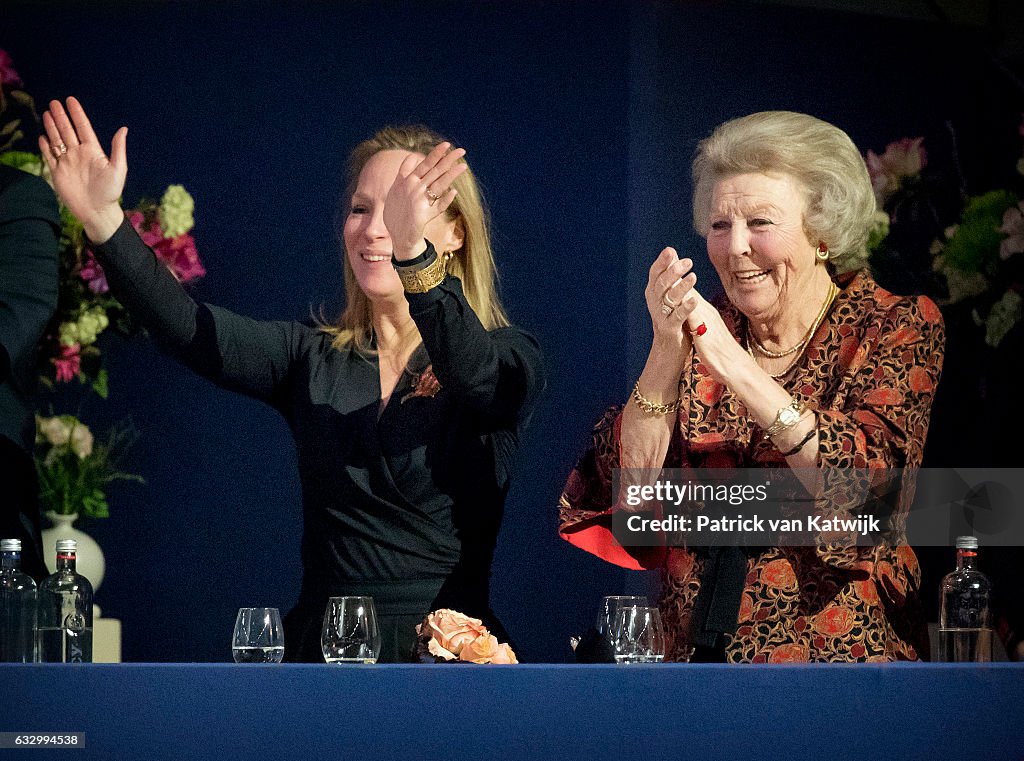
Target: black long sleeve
[496, 372]
[29, 230]
[237, 352]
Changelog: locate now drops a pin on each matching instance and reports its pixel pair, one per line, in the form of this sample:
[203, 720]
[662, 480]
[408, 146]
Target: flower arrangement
[74, 470]
[976, 258]
[447, 636]
[85, 308]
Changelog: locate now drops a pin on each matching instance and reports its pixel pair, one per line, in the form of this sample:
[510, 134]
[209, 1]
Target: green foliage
[974, 247]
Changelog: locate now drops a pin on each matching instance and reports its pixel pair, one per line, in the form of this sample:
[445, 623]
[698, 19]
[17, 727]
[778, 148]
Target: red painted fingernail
[701, 329]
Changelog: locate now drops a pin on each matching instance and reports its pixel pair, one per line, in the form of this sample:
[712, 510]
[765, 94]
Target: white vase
[89, 563]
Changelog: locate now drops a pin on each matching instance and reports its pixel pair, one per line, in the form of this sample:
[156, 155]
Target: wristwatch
[786, 418]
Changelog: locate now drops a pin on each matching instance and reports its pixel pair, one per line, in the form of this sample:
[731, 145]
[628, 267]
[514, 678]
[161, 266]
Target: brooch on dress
[426, 385]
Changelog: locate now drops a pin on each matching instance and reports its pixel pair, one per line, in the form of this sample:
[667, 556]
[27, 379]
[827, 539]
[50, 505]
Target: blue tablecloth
[669, 711]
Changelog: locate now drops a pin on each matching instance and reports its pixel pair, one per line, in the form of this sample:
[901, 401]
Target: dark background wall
[580, 121]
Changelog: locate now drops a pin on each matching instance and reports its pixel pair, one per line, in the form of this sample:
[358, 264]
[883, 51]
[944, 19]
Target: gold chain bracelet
[649, 407]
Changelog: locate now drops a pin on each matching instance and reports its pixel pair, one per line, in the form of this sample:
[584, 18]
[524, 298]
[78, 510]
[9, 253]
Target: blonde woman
[406, 414]
[797, 366]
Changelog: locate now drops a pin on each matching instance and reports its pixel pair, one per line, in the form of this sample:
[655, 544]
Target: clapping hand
[670, 299]
[87, 181]
[682, 318]
[421, 192]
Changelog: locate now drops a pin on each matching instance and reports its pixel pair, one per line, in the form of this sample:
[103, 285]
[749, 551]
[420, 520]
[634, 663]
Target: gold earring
[821, 253]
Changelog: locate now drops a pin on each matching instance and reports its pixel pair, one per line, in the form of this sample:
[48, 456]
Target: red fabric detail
[595, 536]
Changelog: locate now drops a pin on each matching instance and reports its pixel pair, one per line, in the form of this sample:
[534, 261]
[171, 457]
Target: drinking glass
[258, 637]
[350, 633]
[639, 635]
[608, 613]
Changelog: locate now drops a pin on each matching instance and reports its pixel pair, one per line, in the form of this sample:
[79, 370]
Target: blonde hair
[819, 156]
[473, 264]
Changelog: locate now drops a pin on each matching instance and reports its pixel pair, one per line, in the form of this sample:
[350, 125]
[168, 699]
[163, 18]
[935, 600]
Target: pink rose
[180, 255]
[903, 158]
[69, 364]
[92, 273]
[1013, 227]
[151, 234]
[8, 76]
[452, 630]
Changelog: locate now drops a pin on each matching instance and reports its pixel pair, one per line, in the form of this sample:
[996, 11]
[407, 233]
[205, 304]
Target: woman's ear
[456, 236]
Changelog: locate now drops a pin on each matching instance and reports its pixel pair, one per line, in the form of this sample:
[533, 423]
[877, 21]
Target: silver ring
[58, 150]
[667, 310]
[432, 197]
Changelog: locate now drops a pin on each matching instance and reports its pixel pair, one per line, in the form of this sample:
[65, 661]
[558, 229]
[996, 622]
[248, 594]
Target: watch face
[788, 416]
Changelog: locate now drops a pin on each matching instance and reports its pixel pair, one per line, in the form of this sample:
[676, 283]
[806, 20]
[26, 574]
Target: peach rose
[483, 649]
[452, 630]
[439, 652]
[504, 655]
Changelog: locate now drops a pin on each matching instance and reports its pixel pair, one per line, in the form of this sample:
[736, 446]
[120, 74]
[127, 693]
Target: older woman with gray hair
[803, 363]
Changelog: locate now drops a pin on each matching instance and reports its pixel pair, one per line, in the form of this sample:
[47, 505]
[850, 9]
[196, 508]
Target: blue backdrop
[580, 121]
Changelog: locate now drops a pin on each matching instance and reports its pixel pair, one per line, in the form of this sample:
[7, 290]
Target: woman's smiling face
[367, 242]
[757, 243]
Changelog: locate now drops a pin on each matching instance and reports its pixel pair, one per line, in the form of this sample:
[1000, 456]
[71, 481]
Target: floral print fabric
[870, 373]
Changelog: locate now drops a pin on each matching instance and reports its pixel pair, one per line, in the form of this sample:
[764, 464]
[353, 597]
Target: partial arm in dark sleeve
[237, 352]
[498, 373]
[29, 228]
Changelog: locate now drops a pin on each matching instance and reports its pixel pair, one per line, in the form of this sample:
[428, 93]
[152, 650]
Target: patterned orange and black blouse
[870, 372]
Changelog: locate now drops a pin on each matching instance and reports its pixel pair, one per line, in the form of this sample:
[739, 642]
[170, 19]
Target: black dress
[403, 505]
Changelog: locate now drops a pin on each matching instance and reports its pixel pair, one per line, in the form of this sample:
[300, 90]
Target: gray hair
[819, 156]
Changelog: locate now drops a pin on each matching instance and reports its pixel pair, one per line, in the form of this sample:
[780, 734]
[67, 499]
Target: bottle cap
[10, 545]
[967, 542]
[67, 545]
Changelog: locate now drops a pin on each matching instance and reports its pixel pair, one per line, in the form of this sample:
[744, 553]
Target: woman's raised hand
[422, 191]
[670, 299]
[87, 181]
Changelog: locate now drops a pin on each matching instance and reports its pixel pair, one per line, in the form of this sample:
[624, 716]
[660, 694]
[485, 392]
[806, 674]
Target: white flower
[91, 324]
[68, 333]
[87, 328]
[176, 209]
[54, 430]
[1004, 314]
[81, 440]
[961, 285]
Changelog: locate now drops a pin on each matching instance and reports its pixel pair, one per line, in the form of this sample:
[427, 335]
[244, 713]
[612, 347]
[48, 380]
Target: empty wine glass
[608, 613]
[258, 637]
[350, 633]
[639, 635]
